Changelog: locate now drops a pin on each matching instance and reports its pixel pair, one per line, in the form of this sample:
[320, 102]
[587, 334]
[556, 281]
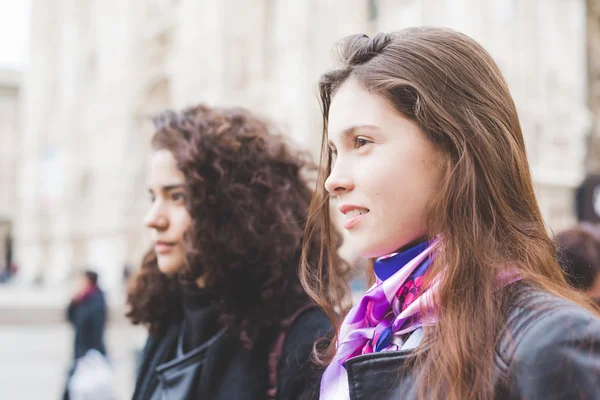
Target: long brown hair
[450, 87]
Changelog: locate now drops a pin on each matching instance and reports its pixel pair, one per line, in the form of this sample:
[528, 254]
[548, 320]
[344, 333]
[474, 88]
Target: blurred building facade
[593, 34]
[98, 69]
[9, 101]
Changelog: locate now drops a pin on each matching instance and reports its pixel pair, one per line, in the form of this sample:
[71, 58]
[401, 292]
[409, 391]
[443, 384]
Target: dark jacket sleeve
[71, 312]
[98, 323]
[558, 357]
[299, 375]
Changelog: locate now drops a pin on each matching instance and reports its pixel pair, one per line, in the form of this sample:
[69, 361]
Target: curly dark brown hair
[248, 197]
[154, 298]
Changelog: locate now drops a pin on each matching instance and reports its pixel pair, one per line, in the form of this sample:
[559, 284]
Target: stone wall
[9, 129]
[99, 69]
[593, 47]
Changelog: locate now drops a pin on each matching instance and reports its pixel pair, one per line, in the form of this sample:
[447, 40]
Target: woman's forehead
[163, 170]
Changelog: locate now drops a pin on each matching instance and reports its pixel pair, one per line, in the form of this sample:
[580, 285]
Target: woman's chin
[169, 268]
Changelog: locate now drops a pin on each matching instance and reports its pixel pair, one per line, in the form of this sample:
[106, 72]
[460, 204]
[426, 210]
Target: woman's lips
[354, 214]
[163, 247]
[352, 221]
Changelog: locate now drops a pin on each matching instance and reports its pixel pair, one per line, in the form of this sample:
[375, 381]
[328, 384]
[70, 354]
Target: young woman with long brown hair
[423, 150]
[219, 292]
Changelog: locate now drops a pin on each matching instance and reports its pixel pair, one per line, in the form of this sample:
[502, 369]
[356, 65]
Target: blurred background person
[227, 315]
[579, 257]
[87, 314]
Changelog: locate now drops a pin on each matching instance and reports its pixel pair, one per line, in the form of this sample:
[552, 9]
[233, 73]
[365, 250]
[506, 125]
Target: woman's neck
[411, 244]
[201, 282]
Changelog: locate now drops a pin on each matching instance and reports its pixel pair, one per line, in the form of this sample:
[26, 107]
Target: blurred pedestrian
[579, 257]
[87, 314]
[423, 149]
[226, 312]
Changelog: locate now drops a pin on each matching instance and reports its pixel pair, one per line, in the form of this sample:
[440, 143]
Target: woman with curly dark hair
[219, 293]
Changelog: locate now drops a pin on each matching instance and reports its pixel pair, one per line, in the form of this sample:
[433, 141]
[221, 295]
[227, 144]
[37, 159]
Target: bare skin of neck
[201, 282]
[594, 290]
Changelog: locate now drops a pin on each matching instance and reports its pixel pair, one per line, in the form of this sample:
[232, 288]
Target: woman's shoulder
[552, 345]
[533, 309]
[536, 318]
[306, 328]
[299, 375]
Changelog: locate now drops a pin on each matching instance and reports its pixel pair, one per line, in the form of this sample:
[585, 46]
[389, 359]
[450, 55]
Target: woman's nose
[339, 181]
[155, 219]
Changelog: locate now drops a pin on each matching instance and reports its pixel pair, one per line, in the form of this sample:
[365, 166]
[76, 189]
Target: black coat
[232, 372]
[549, 349]
[88, 318]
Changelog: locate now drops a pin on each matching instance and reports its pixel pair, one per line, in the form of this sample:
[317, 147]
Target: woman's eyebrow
[349, 132]
[168, 188]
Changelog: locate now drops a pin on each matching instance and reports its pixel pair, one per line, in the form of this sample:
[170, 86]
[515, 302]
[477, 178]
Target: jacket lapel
[379, 375]
[156, 352]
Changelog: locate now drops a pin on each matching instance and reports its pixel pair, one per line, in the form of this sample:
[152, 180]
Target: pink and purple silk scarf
[386, 316]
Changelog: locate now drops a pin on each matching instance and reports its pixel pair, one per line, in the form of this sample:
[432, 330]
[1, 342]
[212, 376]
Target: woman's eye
[360, 142]
[177, 196]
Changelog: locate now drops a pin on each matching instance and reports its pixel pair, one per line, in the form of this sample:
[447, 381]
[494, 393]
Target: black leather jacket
[549, 349]
[230, 372]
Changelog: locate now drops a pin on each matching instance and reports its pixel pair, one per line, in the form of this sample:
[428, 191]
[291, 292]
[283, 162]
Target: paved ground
[34, 359]
[36, 343]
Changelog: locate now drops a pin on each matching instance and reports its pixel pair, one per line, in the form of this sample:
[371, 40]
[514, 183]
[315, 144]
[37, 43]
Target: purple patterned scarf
[386, 316]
